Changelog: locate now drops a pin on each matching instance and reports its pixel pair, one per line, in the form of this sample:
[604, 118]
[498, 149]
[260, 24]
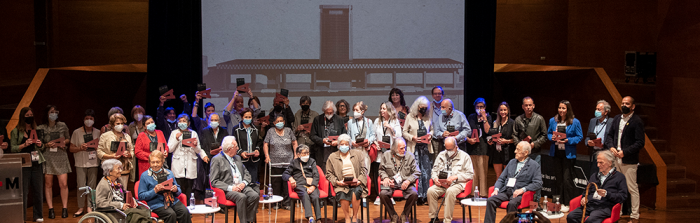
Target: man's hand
[405, 184]
[452, 178]
[602, 192]
[198, 95]
[341, 184]
[495, 192]
[414, 138]
[158, 188]
[327, 141]
[162, 100]
[257, 153]
[126, 206]
[471, 141]
[240, 187]
[183, 97]
[590, 143]
[386, 182]
[445, 134]
[334, 143]
[310, 189]
[244, 155]
[518, 192]
[173, 189]
[532, 145]
[292, 182]
[51, 144]
[205, 159]
[83, 146]
[3, 145]
[583, 201]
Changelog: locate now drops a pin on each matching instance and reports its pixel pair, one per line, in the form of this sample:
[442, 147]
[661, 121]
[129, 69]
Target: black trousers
[373, 175]
[309, 200]
[595, 214]
[176, 213]
[246, 203]
[279, 186]
[33, 176]
[186, 187]
[410, 194]
[252, 168]
[564, 172]
[495, 201]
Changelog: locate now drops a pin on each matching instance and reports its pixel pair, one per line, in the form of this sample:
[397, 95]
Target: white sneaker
[39, 220]
[377, 201]
[392, 201]
[311, 220]
[564, 208]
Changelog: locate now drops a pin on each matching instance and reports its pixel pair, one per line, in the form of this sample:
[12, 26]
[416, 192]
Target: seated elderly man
[399, 171]
[163, 202]
[303, 176]
[521, 174]
[110, 192]
[456, 165]
[229, 174]
[612, 189]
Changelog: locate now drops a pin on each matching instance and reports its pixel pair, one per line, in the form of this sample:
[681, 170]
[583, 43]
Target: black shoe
[434, 220]
[52, 215]
[75, 215]
[420, 202]
[64, 213]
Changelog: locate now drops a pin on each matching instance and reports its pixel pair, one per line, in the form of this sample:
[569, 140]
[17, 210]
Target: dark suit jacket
[318, 133]
[242, 139]
[616, 187]
[632, 138]
[206, 138]
[591, 129]
[294, 171]
[221, 176]
[481, 147]
[530, 176]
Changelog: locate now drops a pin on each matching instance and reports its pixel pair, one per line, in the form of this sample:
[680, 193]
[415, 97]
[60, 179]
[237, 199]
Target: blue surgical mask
[151, 127]
[171, 121]
[444, 112]
[437, 102]
[214, 124]
[598, 114]
[182, 125]
[344, 149]
[279, 125]
[248, 121]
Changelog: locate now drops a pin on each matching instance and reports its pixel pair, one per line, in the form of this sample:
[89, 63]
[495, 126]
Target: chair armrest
[576, 202]
[490, 191]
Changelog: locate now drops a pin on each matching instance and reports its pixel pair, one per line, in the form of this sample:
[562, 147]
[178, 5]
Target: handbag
[308, 180]
[373, 152]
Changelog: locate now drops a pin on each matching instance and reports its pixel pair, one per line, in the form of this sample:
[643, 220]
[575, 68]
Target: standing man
[625, 139]
[598, 128]
[531, 127]
[450, 121]
[438, 96]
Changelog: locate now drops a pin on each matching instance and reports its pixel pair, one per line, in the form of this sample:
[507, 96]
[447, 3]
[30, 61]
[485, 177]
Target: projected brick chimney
[336, 33]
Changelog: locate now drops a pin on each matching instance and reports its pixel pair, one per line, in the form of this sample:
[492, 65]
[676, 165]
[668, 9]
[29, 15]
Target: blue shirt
[456, 119]
[599, 130]
[603, 177]
[234, 170]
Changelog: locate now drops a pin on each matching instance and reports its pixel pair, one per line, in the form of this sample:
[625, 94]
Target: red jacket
[143, 149]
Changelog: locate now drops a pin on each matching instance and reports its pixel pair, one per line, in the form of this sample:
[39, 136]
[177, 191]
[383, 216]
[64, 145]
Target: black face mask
[278, 108]
[29, 120]
[305, 107]
[422, 110]
[626, 110]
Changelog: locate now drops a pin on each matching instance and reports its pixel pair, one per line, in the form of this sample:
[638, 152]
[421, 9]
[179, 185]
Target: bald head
[447, 105]
[450, 143]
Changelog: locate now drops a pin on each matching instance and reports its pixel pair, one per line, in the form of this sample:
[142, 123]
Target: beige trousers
[481, 168]
[630, 172]
[450, 193]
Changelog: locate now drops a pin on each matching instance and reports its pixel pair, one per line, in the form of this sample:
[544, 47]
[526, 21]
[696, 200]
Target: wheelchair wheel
[97, 217]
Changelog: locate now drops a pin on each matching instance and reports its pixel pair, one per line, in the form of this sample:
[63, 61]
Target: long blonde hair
[390, 109]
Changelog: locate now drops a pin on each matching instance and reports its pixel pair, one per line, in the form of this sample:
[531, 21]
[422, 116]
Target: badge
[398, 179]
[511, 182]
[92, 155]
[53, 150]
[35, 156]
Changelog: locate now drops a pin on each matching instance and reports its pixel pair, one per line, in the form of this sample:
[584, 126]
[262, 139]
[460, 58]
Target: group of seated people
[430, 141]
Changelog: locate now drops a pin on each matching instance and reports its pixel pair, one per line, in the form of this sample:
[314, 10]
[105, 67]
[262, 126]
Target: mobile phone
[524, 217]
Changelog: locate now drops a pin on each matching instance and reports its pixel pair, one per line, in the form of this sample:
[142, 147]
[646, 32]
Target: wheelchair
[105, 215]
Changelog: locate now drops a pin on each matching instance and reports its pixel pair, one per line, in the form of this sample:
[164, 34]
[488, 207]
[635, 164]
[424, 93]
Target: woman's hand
[126, 206]
[386, 124]
[327, 141]
[51, 144]
[158, 188]
[341, 184]
[414, 138]
[173, 189]
[267, 159]
[334, 143]
[38, 143]
[177, 136]
[205, 159]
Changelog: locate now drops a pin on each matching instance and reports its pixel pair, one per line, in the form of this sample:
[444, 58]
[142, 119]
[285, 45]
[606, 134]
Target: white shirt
[81, 158]
[623, 123]
[379, 133]
[184, 162]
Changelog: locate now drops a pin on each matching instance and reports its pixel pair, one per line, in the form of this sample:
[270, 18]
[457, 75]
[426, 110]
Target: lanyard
[358, 127]
[605, 123]
[449, 160]
[397, 168]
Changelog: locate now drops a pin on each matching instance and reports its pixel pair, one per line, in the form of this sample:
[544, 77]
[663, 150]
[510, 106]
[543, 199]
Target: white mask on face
[119, 128]
[304, 159]
[138, 117]
[89, 122]
[329, 116]
[357, 115]
[451, 153]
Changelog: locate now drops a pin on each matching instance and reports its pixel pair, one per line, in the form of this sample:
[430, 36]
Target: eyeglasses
[304, 153]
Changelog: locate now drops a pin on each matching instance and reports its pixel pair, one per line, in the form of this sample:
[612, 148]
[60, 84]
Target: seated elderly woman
[303, 176]
[110, 193]
[346, 171]
[162, 202]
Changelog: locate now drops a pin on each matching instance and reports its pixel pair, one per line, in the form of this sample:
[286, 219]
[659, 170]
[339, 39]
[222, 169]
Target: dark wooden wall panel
[17, 58]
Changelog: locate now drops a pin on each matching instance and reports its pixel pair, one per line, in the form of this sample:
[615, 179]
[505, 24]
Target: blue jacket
[616, 187]
[354, 129]
[146, 192]
[530, 176]
[573, 133]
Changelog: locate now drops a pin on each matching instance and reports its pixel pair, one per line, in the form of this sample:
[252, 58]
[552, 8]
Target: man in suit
[598, 128]
[625, 139]
[521, 174]
[229, 175]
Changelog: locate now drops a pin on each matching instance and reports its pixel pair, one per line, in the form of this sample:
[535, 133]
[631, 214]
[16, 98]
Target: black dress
[507, 150]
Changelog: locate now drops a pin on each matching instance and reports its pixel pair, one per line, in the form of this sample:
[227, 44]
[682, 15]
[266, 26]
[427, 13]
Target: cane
[583, 215]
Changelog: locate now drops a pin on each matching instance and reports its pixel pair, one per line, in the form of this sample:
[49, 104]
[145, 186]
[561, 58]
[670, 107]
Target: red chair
[525, 202]
[322, 194]
[182, 197]
[224, 204]
[467, 190]
[362, 209]
[614, 216]
[397, 194]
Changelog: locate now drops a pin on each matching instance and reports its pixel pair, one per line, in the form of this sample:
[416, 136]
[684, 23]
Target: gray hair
[608, 156]
[395, 145]
[183, 115]
[227, 143]
[344, 137]
[606, 105]
[302, 147]
[329, 104]
[114, 110]
[108, 165]
[526, 146]
[422, 100]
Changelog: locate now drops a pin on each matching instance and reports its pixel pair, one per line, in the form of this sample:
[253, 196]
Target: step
[675, 171]
[668, 157]
[660, 144]
[683, 200]
[683, 185]
[644, 93]
[652, 132]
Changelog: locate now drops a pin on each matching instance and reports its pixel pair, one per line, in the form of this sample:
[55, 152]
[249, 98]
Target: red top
[143, 149]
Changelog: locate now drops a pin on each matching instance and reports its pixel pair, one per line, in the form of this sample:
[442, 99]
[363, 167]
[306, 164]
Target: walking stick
[583, 215]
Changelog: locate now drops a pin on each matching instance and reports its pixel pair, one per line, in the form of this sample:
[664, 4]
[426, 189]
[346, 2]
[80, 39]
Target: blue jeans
[537, 158]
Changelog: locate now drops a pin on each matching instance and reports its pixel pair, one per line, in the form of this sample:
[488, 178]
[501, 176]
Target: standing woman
[249, 141]
[21, 143]
[135, 129]
[396, 99]
[185, 157]
[85, 158]
[147, 138]
[343, 108]
[502, 150]
[564, 151]
[417, 125]
[325, 125]
[386, 128]
[105, 150]
[57, 163]
[478, 147]
[280, 149]
[108, 127]
[361, 127]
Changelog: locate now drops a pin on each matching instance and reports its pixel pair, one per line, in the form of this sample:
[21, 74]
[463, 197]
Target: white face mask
[304, 159]
[451, 153]
[138, 117]
[357, 115]
[329, 116]
[89, 122]
[118, 128]
[214, 124]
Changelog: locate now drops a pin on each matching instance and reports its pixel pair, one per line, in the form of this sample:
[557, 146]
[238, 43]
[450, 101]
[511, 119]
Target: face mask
[626, 110]
[279, 125]
[160, 170]
[151, 127]
[182, 126]
[119, 128]
[304, 159]
[305, 107]
[214, 124]
[329, 117]
[278, 108]
[247, 121]
[444, 112]
[138, 117]
[451, 153]
[53, 116]
[171, 121]
[401, 154]
[357, 115]
[598, 114]
[344, 149]
[29, 120]
[477, 112]
[437, 102]
[422, 110]
[89, 122]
